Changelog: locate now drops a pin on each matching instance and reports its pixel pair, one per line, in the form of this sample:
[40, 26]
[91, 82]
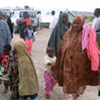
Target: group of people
[21, 78]
[76, 47]
[26, 31]
[71, 61]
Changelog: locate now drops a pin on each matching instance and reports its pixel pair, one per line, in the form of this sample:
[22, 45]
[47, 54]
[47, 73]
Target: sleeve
[46, 60]
[2, 69]
[8, 33]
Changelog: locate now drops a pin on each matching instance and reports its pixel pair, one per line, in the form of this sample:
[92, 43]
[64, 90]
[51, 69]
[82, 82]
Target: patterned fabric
[14, 81]
[5, 62]
[28, 83]
[50, 82]
[1, 70]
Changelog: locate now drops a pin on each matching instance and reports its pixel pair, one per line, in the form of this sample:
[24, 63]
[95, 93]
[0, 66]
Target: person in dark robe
[59, 31]
[10, 24]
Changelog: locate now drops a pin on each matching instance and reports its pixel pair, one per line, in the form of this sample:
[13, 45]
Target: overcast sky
[79, 5]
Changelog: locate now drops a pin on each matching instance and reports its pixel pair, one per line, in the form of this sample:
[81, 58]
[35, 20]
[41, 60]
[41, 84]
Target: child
[96, 21]
[13, 68]
[50, 82]
[24, 83]
[5, 65]
[29, 37]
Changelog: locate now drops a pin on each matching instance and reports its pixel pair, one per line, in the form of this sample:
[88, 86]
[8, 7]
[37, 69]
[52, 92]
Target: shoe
[47, 96]
[99, 93]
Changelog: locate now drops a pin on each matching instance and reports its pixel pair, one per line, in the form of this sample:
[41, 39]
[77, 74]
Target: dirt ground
[38, 54]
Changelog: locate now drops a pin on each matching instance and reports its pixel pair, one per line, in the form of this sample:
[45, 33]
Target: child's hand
[15, 55]
[53, 64]
[0, 78]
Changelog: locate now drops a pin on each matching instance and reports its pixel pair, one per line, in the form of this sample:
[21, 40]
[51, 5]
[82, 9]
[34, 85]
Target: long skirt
[75, 96]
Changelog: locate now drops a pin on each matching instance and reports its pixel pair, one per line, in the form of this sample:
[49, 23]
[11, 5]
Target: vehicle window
[30, 14]
[14, 15]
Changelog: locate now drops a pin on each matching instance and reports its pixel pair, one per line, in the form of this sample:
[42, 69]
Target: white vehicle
[18, 14]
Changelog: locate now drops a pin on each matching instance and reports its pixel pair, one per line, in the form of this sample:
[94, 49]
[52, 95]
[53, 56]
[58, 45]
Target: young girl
[29, 37]
[50, 82]
[26, 83]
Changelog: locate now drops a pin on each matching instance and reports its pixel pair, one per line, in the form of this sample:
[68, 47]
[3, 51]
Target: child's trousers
[50, 82]
[29, 43]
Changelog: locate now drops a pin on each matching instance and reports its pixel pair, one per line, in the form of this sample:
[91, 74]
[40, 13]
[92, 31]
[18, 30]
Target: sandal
[47, 96]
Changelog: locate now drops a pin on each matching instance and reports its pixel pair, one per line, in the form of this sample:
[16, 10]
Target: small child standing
[50, 82]
[5, 65]
[29, 37]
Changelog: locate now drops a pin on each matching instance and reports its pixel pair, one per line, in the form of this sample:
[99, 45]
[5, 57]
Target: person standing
[26, 19]
[96, 24]
[53, 21]
[5, 35]
[23, 24]
[39, 19]
[58, 32]
[77, 61]
[50, 82]
[9, 22]
[29, 33]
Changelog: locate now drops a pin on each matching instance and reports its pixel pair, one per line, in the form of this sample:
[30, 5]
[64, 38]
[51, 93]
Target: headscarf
[28, 83]
[79, 18]
[58, 33]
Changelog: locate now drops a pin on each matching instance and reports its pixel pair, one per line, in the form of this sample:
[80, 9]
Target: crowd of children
[16, 75]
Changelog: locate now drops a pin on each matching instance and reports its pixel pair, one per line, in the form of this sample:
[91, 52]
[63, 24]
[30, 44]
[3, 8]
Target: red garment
[27, 20]
[93, 51]
[5, 61]
[1, 58]
[29, 43]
